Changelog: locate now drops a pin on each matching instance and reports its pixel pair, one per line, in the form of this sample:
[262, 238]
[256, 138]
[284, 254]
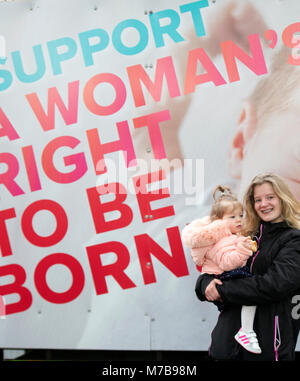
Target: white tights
[247, 318]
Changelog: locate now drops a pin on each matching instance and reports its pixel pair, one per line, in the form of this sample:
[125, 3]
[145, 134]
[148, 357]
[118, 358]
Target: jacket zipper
[258, 241]
[277, 338]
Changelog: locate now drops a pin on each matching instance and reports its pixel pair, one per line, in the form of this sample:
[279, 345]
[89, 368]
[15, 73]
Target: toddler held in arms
[219, 248]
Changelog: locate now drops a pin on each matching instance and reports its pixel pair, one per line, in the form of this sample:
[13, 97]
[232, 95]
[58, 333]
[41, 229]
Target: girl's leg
[247, 318]
[246, 336]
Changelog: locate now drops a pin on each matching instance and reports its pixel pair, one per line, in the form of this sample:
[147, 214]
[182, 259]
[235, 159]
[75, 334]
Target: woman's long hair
[290, 207]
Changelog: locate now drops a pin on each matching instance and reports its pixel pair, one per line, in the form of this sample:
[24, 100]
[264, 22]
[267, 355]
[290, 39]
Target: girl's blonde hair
[290, 207]
[224, 202]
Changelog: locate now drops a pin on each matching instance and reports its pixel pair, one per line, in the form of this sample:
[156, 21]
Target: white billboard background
[162, 315]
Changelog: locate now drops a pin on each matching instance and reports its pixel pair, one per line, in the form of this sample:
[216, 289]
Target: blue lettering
[131, 23]
[170, 29]
[194, 8]
[57, 58]
[6, 79]
[19, 67]
[87, 49]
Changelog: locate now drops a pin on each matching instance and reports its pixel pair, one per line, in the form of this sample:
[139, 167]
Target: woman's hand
[211, 292]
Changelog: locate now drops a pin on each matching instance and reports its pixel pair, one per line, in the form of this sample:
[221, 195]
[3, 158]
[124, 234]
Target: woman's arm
[202, 282]
[279, 282]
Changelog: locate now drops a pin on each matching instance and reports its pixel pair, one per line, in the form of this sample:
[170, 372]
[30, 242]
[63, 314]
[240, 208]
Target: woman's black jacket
[274, 288]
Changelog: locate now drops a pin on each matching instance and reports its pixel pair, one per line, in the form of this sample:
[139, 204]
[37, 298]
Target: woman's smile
[267, 204]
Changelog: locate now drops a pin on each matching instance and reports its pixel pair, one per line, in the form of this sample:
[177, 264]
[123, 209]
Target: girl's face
[267, 204]
[234, 219]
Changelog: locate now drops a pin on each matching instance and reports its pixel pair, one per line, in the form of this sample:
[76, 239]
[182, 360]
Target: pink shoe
[248, 340]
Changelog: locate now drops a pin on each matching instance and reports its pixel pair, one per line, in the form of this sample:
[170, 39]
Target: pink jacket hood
[214, 247]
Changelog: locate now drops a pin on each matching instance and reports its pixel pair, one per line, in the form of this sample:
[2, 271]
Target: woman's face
[266, 203]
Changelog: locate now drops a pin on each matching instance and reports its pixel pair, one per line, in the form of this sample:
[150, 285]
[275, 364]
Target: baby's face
[234, 220]
[275, 147]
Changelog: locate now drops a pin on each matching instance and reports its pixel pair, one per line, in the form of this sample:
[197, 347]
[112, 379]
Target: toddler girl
[219, 248]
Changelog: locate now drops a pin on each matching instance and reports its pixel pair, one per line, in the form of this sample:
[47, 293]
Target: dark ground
[98, 355]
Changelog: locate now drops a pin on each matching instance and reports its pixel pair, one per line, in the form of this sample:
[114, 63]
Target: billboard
[116, 123]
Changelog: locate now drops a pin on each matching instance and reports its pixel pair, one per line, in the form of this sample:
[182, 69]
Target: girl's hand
[249, 244]
[211, 292]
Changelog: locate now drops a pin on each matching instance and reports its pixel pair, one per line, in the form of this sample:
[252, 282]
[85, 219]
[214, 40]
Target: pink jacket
[214, 247]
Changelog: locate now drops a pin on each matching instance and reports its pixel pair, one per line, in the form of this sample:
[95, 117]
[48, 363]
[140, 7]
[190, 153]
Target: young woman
[219, 248]
[273, 218]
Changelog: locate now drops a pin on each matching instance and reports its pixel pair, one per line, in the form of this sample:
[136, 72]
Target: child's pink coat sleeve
[203, 232]
[230, 253]
[198, 255]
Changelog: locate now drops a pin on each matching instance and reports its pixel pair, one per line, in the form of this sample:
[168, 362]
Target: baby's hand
[249, 244]
[254, 246]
